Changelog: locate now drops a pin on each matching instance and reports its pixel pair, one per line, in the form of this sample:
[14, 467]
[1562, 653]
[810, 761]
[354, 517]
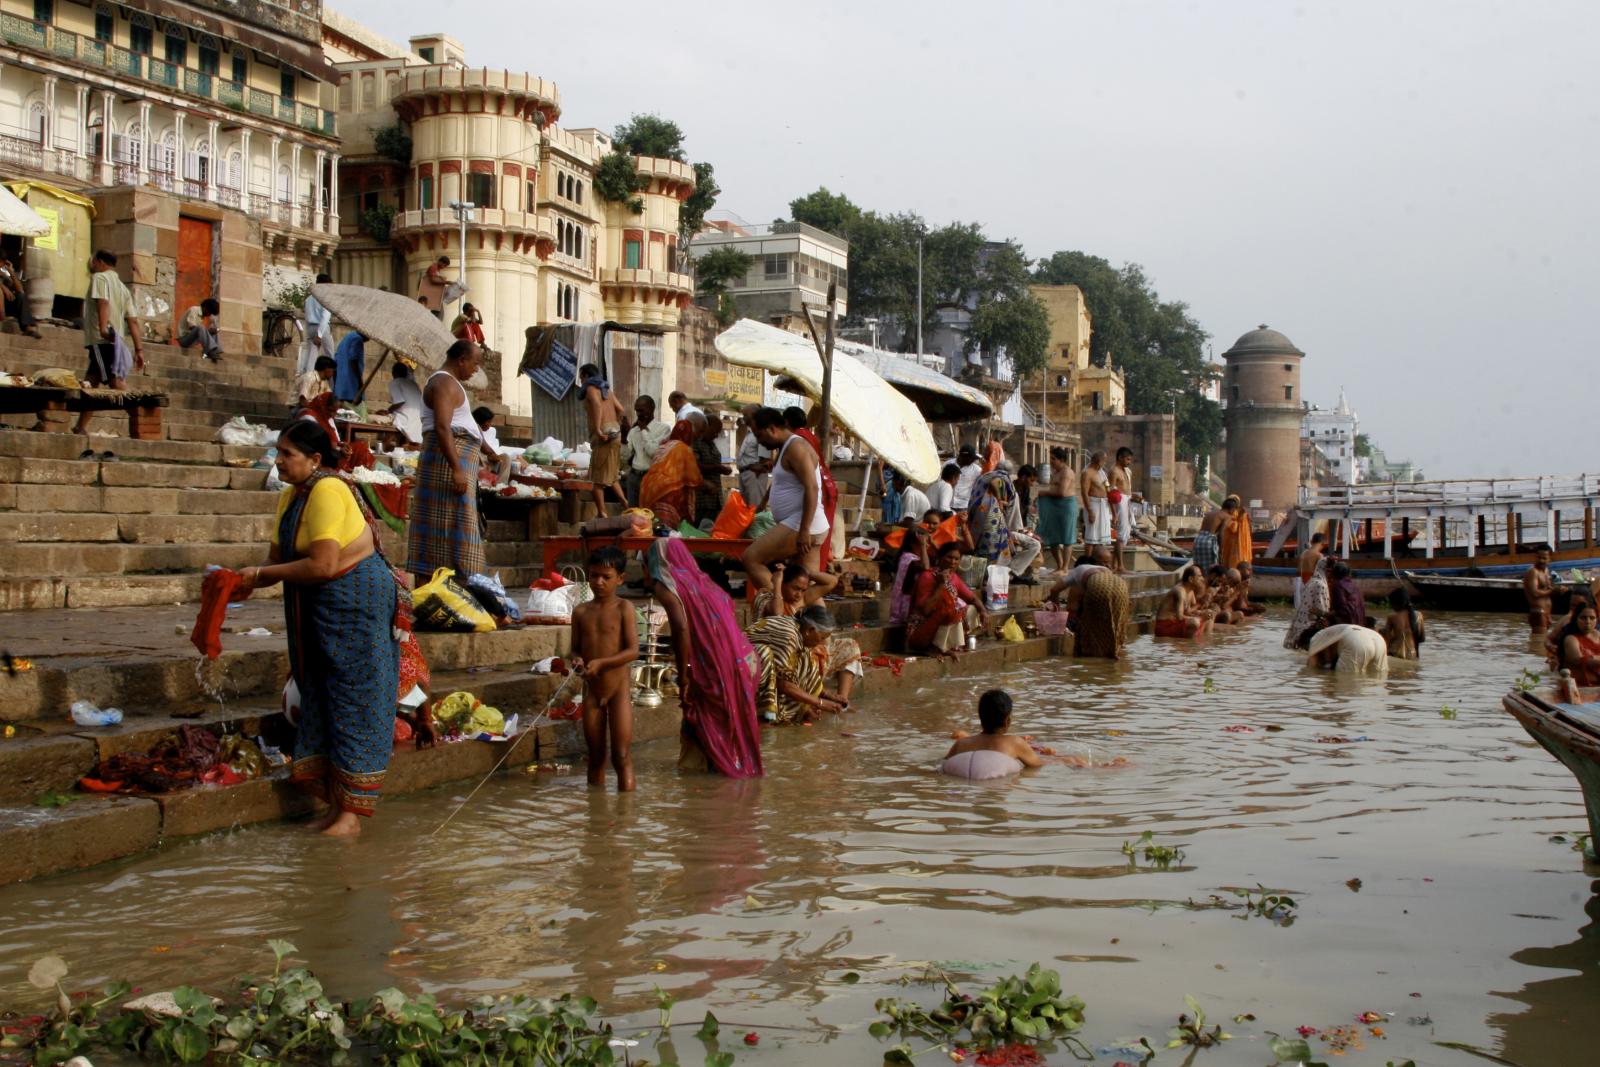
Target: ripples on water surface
[752, 899]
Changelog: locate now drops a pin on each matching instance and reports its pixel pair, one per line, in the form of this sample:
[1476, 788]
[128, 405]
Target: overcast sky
[1408, 190]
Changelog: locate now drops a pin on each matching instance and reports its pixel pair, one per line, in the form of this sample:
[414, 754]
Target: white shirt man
[752, 479]
[405, 404]
[914, 503]
[941, 496]
[970, 474]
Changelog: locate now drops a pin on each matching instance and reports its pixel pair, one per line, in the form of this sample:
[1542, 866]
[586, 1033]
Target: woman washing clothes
[992, 753]
[342, 604]
[1314, 609]
[793, 650]
[800, 589]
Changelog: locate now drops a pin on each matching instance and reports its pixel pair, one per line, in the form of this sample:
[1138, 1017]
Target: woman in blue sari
[342, 603]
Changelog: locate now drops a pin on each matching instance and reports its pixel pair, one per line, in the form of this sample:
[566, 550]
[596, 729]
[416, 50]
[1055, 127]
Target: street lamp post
[463, 210]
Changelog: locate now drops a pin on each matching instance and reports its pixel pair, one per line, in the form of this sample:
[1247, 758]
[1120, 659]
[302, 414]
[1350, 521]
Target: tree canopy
[653, 135]
[650, 135]
[714, 270]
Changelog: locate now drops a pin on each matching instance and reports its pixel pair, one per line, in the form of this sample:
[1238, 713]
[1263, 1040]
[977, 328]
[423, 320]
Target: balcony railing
[90, 52]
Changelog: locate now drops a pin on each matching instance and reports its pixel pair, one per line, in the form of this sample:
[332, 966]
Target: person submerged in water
[992, 753]
[1404, 630]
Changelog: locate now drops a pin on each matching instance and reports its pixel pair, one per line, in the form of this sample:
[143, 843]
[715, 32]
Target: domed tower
[1262, 393]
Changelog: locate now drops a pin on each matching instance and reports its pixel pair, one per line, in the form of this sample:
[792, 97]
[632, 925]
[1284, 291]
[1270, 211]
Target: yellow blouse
[330, 515]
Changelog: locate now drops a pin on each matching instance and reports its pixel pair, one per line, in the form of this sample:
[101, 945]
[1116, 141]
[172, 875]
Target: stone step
[100, 592]
[83, 559]
[27, 472]
[63, 446]
[167, 374]
[66, 348]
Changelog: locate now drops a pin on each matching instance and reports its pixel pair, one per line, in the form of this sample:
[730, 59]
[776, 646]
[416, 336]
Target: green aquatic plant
[1294, 1050]
[1191, 1029]
[1527, 680]
[1030, 1007]
[1158, 856]
[1447, 712]
[1268, 903]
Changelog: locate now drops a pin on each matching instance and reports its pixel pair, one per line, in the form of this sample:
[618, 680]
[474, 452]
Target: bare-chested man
[1307, 567]
[1218, 597]
[1180, 614]
[1242, 576]
[1207, 551]
[1092, 490]
[1058, 509]
[1539, 587]
[1122, 498]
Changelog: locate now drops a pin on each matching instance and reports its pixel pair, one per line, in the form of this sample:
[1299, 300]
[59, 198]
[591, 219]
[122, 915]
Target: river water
[755, 899]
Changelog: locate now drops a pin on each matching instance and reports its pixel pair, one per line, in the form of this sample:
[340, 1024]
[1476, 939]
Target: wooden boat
[1479, 592]
[1569, 733]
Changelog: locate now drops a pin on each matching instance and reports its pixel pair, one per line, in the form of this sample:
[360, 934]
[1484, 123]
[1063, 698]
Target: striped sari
[784, 658]
[346, 662]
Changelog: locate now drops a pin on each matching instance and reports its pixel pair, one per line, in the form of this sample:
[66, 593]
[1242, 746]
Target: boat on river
[1488, 528]
[1479, 592]
[1570, 733]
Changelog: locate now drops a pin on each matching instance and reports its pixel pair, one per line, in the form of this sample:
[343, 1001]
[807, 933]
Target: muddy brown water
[754, 899]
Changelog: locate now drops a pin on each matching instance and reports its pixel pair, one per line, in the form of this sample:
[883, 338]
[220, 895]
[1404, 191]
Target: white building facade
[1333, 434]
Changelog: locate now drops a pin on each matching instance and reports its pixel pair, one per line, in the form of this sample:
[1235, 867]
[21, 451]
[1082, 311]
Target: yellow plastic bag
[1011, 631]
[463, 713]
[444, 604]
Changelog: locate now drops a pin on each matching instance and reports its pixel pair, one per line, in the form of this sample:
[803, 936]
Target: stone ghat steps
[39, 841]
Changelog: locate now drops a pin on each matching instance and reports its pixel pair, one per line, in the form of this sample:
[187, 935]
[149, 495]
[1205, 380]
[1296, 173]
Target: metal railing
[91, 52]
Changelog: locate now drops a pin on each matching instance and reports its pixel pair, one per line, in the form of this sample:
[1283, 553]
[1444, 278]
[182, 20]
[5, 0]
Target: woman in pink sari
[717, 667]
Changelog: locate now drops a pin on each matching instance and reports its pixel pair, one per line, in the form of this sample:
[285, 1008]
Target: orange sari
[668, 486]
[1237, 546]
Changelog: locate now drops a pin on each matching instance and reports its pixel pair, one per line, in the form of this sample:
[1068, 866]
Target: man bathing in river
[1180, 614]
[992, 753]
[1221, 588]
[1307, 567]
[1242, 576]
[605, 640]
[1539, 588]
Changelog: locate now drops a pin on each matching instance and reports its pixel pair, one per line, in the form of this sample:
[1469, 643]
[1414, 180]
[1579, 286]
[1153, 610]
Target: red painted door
[194, 266]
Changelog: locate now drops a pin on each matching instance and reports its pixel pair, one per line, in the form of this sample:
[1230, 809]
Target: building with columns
[422, 129]
[203, 130]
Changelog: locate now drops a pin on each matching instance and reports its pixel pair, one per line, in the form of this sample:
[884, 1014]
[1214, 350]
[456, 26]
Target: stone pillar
[294, 187]
[245, 167]
[144, 146]
[272, 171]
[320, 213]
[211, 151]
[83, 125]
[108, 174]
[180, 164]
[333, 197]
[50, 82]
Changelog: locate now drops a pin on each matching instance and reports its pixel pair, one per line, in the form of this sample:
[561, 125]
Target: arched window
[165, 153]
[579, 234]
[97, 135]
[131, 150]
[200, 161]
[285, 185]
[37, 123]
[233, 178]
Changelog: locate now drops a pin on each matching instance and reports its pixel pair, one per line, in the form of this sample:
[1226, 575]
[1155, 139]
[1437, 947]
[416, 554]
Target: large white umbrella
[18, 218]
[395, 321]
[863, 402]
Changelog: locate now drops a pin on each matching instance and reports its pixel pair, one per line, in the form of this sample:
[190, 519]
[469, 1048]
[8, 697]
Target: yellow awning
[21, 189]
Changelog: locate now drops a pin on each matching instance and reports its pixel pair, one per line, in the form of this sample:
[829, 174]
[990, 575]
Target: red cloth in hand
[219, 588]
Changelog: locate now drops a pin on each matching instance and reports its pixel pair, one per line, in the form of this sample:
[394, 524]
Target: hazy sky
[1408, 190]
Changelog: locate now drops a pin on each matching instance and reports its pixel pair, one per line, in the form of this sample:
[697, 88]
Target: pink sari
[719, 696]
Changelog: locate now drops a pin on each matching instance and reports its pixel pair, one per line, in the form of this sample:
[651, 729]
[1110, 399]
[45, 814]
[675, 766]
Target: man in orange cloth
[1236, 545]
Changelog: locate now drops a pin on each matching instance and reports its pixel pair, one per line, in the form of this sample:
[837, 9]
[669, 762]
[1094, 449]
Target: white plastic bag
[555, 605]
[997, 589]
[241, 431]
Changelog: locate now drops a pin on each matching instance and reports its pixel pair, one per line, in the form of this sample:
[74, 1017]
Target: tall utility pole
[463, 210]
[919, 301]
[825, 353]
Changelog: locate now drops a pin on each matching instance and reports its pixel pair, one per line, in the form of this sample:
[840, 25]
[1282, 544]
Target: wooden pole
[826, 426]
[376, 368]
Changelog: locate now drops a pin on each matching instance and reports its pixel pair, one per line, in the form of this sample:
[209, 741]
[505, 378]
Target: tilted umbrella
[18, 219]
[400, 324]
[882, 416]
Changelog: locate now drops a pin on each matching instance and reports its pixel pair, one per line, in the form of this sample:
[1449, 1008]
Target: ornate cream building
[203, 131]
[540, 245]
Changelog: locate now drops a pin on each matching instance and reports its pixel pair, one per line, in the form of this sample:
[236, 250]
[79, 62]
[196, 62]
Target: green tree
[1363, 446]
[650, 135]
[714, 270]
[692, 212]
[831, 212]
[1020, 325]
[617, 179]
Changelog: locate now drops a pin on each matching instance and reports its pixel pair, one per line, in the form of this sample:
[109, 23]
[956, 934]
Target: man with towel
[1093, 487]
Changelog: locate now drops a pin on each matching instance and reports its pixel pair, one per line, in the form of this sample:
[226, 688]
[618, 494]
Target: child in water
[992, 753]
[604, 641]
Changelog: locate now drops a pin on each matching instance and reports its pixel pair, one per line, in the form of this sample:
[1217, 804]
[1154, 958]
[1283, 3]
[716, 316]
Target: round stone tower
[1264, 410]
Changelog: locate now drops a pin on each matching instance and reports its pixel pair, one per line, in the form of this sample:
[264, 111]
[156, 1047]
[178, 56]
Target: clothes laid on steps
[980, 764]
[787, 497]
